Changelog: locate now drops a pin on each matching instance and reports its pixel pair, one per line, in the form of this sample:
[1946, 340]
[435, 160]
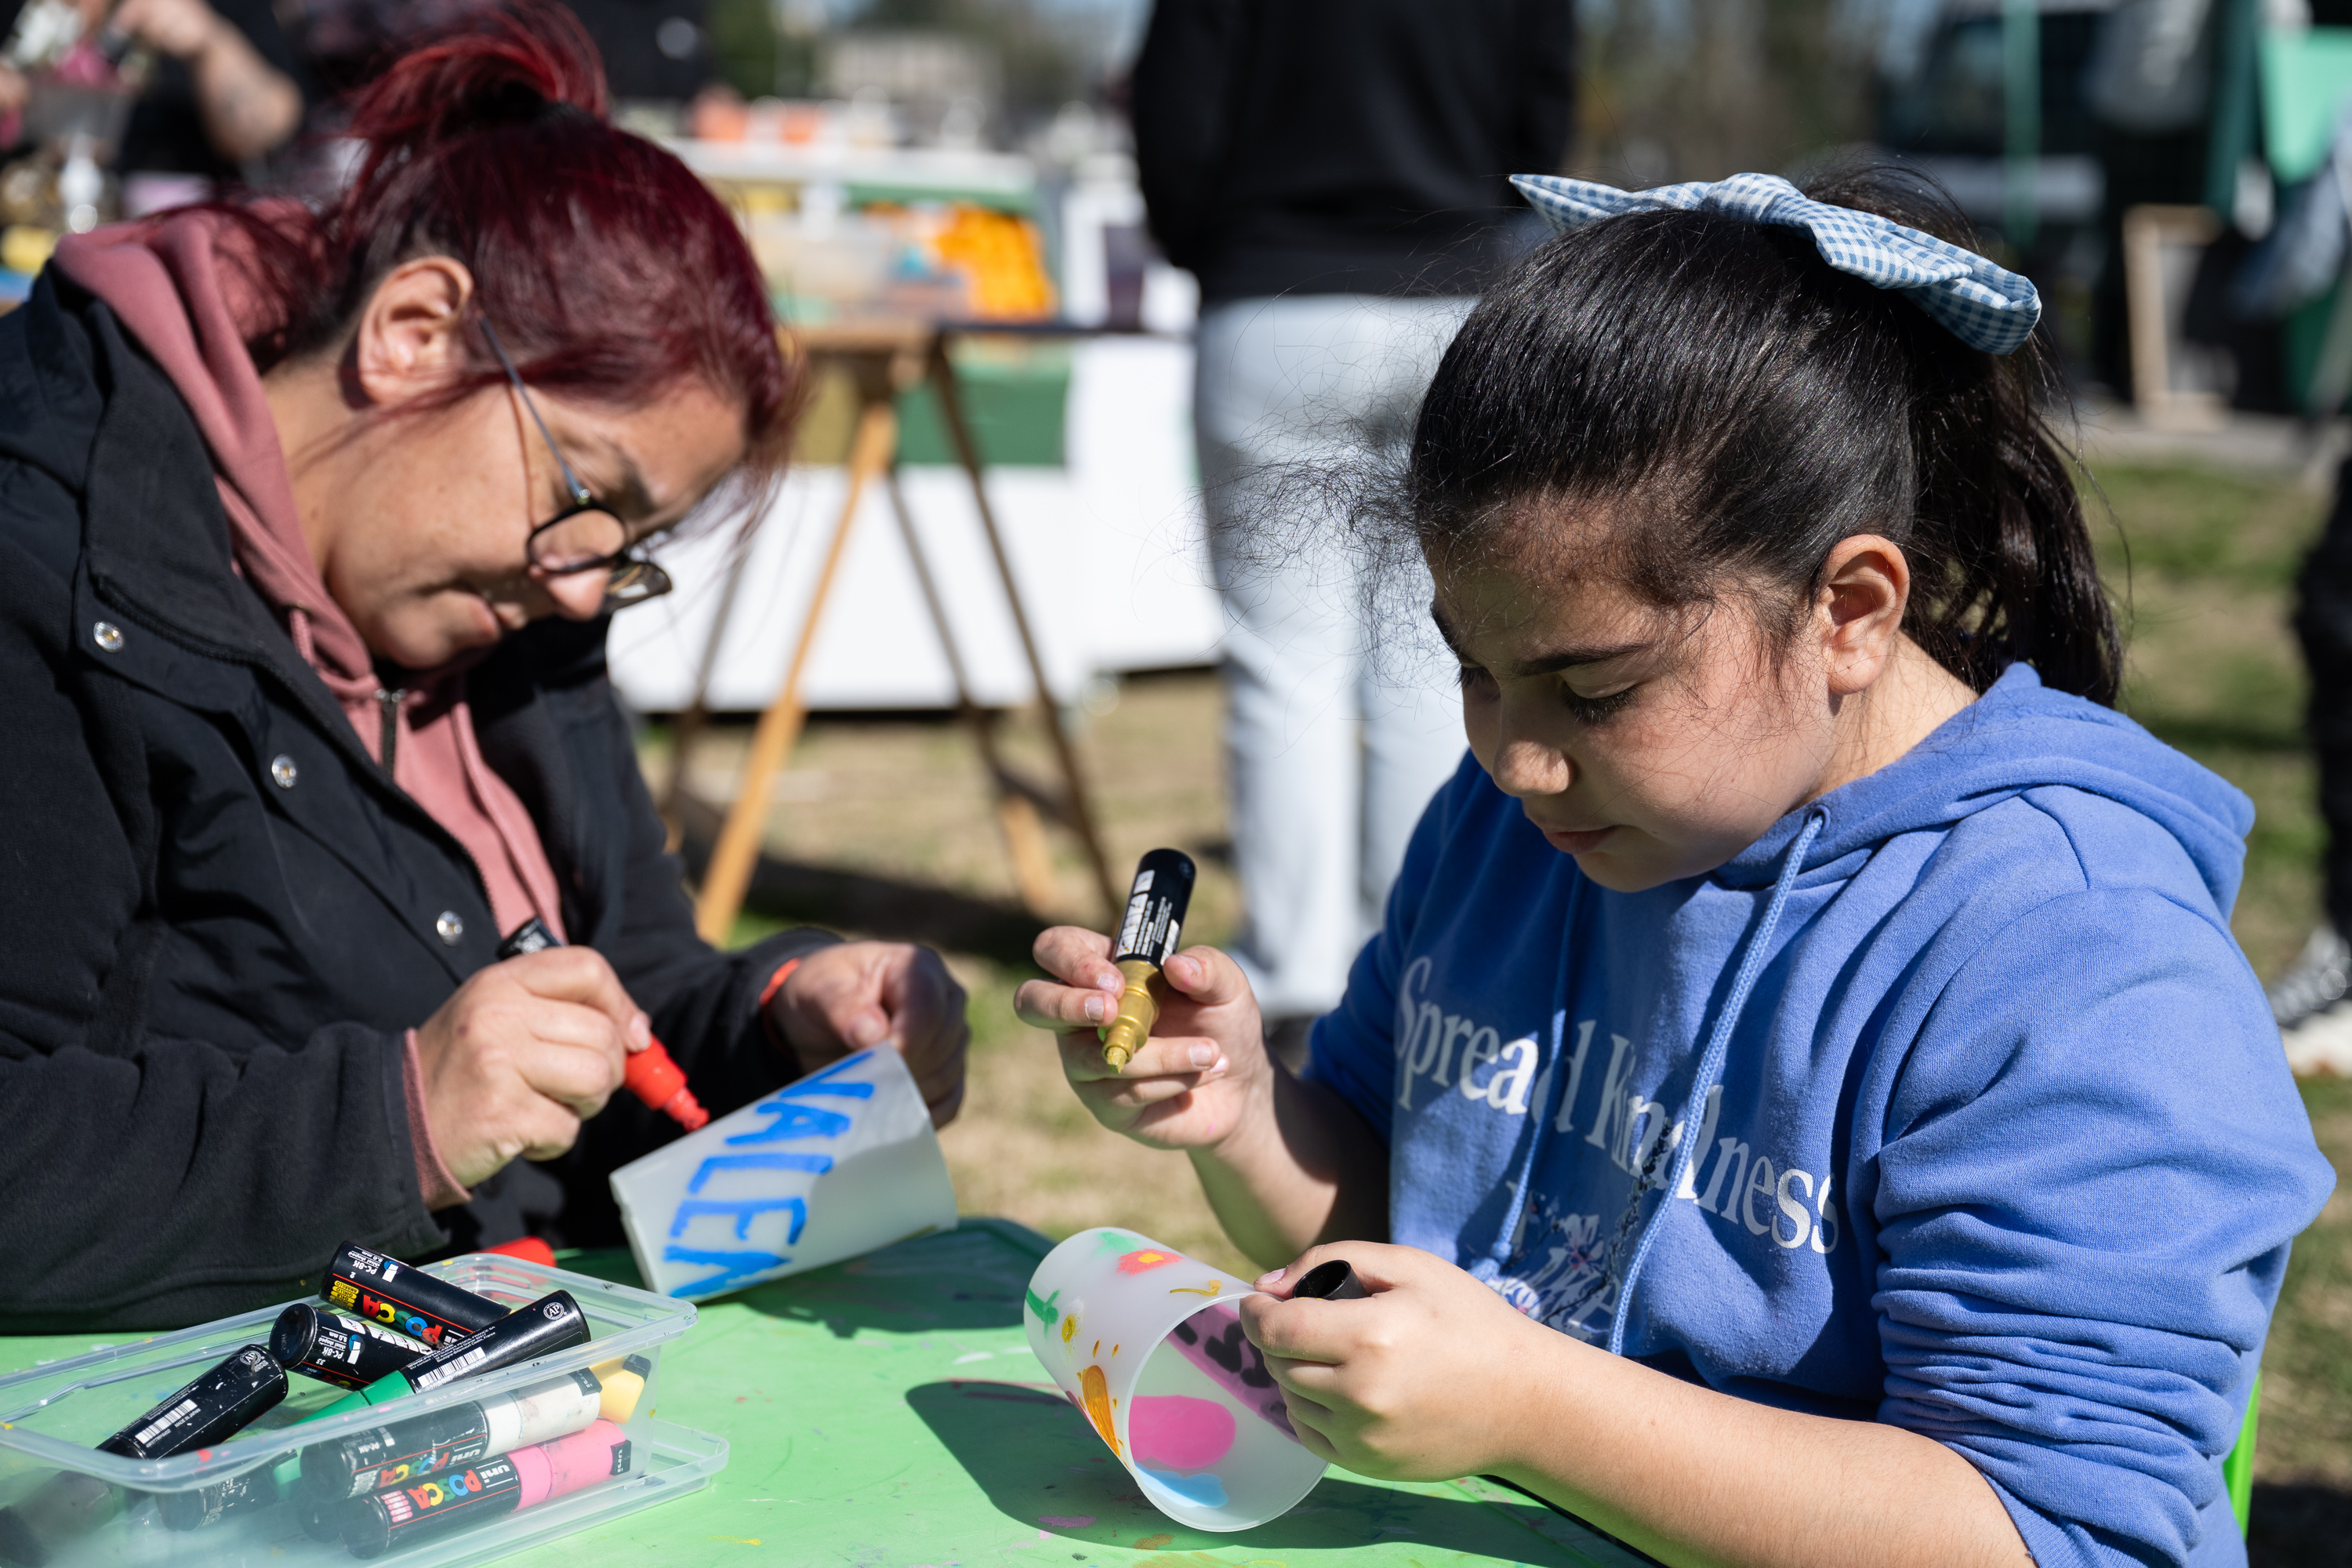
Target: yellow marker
[1156, 906]
[625, 1383]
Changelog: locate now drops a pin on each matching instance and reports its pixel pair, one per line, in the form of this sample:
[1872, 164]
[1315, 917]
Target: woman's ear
[410, 338]
[1866, 586]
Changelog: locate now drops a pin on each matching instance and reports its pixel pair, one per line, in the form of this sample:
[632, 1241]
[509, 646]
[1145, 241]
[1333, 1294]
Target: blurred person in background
[1335, 173]
[2309, 1000]
[223, 94]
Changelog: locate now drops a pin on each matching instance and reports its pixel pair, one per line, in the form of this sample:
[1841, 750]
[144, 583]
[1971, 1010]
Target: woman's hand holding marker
[524, 1052]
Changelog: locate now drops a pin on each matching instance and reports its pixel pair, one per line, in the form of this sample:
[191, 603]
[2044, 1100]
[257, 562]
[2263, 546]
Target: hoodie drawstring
[1710, 1065]
[1488, 1268]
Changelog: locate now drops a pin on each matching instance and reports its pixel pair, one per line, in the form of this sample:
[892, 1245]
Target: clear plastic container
[51, 1415]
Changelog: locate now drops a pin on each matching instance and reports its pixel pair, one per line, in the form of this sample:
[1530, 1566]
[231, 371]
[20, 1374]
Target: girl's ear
[410, 338]
[1866, 586]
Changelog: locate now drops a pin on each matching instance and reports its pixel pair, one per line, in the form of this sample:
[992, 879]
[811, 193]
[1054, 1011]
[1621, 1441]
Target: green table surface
[886, 1413]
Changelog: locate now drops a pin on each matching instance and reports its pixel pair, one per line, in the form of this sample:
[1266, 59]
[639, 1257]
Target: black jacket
[205, 975]
[1347, 146]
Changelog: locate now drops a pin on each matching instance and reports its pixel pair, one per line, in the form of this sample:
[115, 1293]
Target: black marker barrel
[402, 1516]
[207, 1506]
[349, 1352]
[1156, 906]
[402, 1298]
[215, 1406]
[1148, 930]
[403, 1452]
[549, 1324]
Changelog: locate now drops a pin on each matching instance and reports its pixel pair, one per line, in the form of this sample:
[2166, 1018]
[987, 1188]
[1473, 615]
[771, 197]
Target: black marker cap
[549, 1324]
[322, 1518]
[215, 1406]
[354, 1465]
[1333, 1281]
[1156, 906]
[401, 1516]
[349, 1352]
[532, 936]
[402, 1298]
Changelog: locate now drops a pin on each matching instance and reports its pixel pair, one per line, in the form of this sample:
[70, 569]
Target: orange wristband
[776, 982]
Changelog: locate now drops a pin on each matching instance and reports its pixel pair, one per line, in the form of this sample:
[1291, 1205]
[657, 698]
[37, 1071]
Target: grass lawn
[2213, 669]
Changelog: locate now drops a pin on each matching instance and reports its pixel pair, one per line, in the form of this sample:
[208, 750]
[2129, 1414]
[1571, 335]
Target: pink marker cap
[566, 1465]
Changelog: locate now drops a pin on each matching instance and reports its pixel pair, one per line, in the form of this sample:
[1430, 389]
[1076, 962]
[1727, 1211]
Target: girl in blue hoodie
[1805, 1104]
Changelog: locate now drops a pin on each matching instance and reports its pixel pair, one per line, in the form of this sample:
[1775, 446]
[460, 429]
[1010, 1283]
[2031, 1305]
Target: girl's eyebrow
[1570, 658]
[1549, 663]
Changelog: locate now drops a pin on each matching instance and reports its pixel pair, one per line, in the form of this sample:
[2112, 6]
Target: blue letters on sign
[788, 1120]
[794, 1121]
[742, 1209]
[731, 1267]
[820, 1163]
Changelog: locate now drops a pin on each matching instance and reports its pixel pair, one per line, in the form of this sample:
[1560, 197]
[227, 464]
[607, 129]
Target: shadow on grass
[876, 906]
[1042, 1465]
[2300, 1527]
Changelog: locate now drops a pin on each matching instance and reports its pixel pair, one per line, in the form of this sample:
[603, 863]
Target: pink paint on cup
[1177, 1432]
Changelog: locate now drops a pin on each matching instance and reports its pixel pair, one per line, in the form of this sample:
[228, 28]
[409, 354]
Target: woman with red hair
[309, 524]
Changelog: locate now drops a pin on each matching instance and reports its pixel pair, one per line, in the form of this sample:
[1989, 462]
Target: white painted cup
[1146, 1341]
[837, 1164]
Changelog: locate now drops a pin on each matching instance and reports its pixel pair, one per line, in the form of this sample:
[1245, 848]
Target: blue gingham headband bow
[1986, 306]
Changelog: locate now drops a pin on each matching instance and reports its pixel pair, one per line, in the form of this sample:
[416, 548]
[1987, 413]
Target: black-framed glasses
[582, 536]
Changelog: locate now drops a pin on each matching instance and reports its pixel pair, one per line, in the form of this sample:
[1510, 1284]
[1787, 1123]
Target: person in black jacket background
[1335, 174]
[310, 523]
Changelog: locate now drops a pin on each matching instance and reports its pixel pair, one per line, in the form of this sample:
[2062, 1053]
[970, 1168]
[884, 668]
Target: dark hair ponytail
[1764, 407]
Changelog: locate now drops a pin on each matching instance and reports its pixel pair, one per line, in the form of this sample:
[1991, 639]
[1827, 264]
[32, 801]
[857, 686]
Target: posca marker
[625, 1384]
[399, 1516]
[406, 1451]
[216, 1405]
[402, 1298]
[1156, 906]
[206, 1506]
[349, 1352]
[549, 1324]
[649, 1074]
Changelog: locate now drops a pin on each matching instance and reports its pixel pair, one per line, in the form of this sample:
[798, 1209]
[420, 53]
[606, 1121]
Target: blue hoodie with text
[2002, 1147]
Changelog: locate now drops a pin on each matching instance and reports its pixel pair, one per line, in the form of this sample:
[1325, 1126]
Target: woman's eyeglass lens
[583, 538]
[590, 540]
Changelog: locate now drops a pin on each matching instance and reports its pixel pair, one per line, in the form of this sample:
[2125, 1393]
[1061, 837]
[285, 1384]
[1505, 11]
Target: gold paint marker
[1146, 936]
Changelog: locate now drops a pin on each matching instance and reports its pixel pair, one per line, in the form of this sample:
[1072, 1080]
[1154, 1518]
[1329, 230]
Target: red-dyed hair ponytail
[609, 270]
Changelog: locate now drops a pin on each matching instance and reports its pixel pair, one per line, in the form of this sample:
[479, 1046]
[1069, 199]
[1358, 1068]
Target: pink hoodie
[165, 281]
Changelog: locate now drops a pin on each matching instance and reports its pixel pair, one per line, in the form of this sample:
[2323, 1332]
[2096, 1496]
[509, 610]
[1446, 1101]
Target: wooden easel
[884, 359]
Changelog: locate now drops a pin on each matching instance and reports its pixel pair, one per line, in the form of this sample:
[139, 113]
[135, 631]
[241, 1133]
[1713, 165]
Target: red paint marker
[653, 1078]
[651, 1075]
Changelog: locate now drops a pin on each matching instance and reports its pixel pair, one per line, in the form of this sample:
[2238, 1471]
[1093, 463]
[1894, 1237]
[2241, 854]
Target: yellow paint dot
[1070, 1327]
[1098, 1349]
